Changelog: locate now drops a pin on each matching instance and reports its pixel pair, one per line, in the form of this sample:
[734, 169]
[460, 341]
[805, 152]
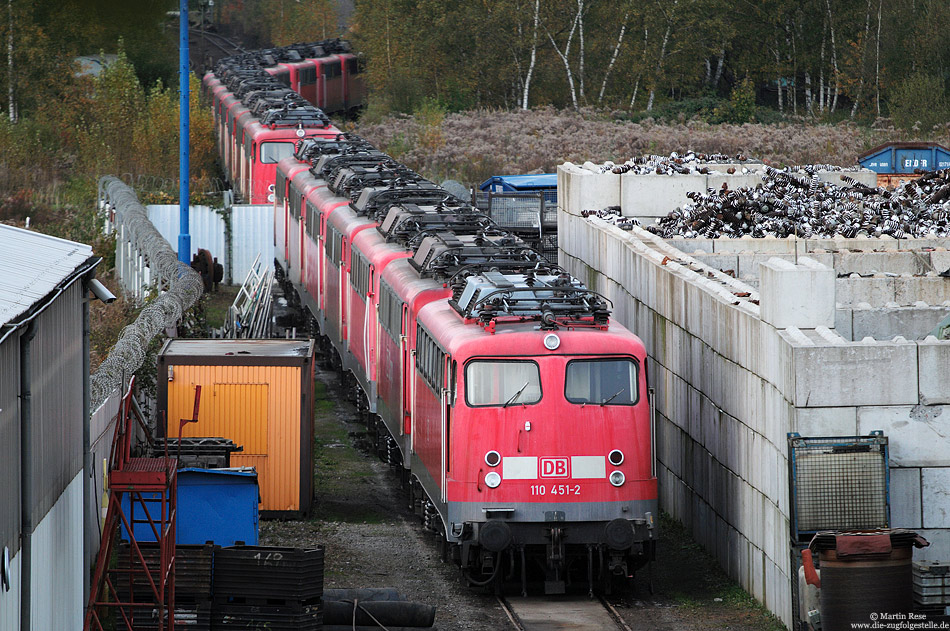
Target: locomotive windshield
[602, 382]
[273, 152]
[502, 383]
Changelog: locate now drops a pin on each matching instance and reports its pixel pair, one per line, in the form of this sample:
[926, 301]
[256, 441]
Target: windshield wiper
[515, 396]
[612, 397]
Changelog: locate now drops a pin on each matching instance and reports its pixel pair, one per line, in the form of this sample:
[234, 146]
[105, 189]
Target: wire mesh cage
[838, 483]
[520, 212]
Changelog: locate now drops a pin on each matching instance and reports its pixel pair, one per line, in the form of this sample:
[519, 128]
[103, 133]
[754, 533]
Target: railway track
[575, 612]
[206, 48]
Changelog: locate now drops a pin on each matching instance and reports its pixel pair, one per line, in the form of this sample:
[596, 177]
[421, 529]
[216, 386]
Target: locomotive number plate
[555, 489]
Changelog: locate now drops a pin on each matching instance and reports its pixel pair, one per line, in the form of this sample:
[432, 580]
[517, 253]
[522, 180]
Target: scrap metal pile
[786, 204]
[689, 162]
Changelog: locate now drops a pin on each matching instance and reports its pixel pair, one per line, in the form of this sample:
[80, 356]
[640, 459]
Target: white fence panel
[207, 229]
[252, 233]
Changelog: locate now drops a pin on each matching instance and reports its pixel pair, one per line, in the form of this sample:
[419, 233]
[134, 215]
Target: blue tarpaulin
[506, 183]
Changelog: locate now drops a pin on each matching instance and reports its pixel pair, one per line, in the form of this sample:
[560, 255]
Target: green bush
[919, 98]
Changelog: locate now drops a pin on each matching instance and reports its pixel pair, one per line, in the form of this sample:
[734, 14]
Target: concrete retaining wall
[733, 377]
[649, 196]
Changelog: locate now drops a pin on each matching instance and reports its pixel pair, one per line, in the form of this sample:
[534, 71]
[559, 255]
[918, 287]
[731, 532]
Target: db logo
[553, 467]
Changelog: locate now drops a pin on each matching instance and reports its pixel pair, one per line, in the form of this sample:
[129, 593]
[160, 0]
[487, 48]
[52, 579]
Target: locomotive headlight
[300, 133]
[615, 457]
[492, 458]
[270, 197]
[551, 341]
[616, 478]
[492, 479]
[270, 188]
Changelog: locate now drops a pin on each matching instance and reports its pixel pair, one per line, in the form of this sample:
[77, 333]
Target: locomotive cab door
[448, 396]
[369, 324]
[405, 373]
[321, 260]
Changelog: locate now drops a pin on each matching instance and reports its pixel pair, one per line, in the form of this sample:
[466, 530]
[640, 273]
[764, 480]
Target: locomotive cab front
[549, 450]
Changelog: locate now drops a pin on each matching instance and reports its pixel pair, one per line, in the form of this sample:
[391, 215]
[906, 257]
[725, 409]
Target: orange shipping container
[258, 393]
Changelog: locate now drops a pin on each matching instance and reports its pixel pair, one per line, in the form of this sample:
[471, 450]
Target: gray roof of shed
[31, 266]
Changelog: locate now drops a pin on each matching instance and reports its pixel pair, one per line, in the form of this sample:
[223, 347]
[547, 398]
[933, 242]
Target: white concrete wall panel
[582, 189]
[801, 295]
[918, 434]
[905, 497]
[935, 497]
[933, 357]
[883, 373]
[911, 322]
[836, 421]
[939, 548]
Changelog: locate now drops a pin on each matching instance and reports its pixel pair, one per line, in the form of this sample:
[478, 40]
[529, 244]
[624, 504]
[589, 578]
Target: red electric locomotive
[516, 411]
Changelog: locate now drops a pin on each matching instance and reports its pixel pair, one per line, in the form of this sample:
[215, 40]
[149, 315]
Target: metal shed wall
[58, 563]
[56, 388]
[10, 445]
[57, 400]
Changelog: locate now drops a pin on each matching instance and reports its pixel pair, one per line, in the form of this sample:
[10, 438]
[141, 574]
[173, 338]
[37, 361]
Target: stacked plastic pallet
[268, 587]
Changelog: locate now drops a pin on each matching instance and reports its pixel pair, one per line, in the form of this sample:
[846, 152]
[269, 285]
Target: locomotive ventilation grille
[838, 483]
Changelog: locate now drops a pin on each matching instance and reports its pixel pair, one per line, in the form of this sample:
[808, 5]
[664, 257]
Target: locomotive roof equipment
[556, 300]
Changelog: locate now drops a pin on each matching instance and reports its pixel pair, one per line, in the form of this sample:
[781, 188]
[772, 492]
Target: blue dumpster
[895, 161]
[219, 505]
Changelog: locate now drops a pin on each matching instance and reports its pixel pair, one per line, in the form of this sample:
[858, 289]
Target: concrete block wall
[650, 196]
[722, 463]
[730, 385]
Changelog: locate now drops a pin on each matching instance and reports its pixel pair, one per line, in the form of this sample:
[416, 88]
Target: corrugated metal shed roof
[31, 265]
[239, 350]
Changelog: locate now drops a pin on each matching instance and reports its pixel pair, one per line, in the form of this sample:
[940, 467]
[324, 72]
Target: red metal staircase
[138, 588]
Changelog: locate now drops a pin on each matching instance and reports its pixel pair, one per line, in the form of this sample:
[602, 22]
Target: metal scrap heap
[786, 204]
[688, 162]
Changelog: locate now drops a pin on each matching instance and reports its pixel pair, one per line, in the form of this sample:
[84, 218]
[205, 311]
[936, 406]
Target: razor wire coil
[182, 288]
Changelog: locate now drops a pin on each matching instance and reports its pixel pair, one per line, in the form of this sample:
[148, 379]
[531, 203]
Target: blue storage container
[905, 157]
[219, 505]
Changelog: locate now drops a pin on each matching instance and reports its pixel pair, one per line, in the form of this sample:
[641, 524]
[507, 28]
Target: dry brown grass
[477, 145]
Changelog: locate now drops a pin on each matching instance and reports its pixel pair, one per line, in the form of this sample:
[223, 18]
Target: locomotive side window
[274, 152]
[311, 218]
[359, 273]
[493, 382]
[355, 66]
[332, 70]
[335, 246]
[280, 187]
[430, 360]
[390, 309]
[602, 382]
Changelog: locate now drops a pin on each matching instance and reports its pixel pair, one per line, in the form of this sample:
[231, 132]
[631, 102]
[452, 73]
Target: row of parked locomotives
[267, 100]
[516, 411]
